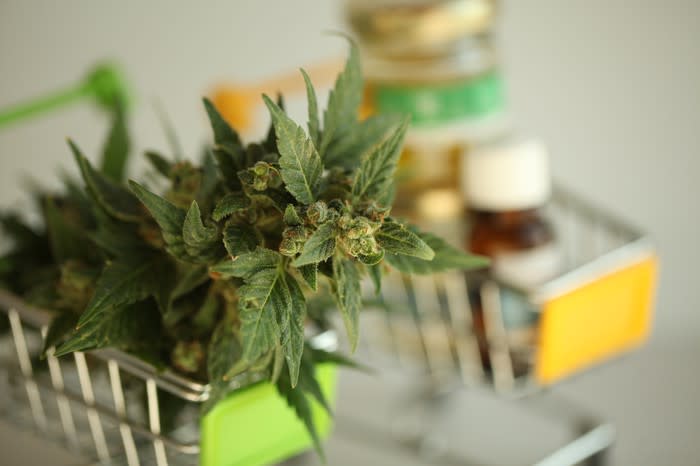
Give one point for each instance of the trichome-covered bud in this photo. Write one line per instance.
(358, 236)
(317, 213)
(261, 176)
(288, 247)
(345, 221)
(188, 356)
(293, 240)
(365, 246)
(375, 212)
(360, 227)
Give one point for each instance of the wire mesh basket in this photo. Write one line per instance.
(105, 405)
(599, 304)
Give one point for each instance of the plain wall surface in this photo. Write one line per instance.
(612, 87)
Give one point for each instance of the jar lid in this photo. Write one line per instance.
(508, 176)
(418, 26)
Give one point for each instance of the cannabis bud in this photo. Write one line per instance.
(318, 213)
(261, 176)
(375, 212)
(186, 180)
(188, 356)
(358, 236)
(293, 239)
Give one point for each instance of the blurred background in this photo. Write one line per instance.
(613, 90)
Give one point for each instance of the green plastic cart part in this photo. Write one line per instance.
(105, 85)
(255, 426)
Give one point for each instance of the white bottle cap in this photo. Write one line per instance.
(508, 176)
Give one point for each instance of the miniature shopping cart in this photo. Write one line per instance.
(109, 406)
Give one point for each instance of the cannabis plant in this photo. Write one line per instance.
(214, 276)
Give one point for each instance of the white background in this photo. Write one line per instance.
(613, 87)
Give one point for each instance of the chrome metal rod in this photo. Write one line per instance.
(154, 422)
(107, 413)
(98, 435)
(499, 354)
(132, 455)
(25, 365)
(64, 412)
(589, 444)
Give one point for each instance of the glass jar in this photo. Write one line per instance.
(433, 60)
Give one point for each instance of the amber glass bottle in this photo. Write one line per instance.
(506, 186)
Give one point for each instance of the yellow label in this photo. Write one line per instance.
(596, 321)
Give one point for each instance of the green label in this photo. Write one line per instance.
(435, 104)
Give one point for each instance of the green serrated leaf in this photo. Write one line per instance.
(240, 239)
(61, 326)
(300, 165)
(134, 328)
(293, 342)
(321, 356)
(67, 240)
(262, 297)
(375, 274)
(202, 242)
(249, 264)
(116, 238)
(180, 302)
(270, 143)
(224, 135)
(395, 238)
(347, 293)
(310, 274)
(375, 177)
(319, 247)
(230, 204)
(228, 150)
(204, 321)
(314, 124)
(191, 277)
(23, 236)
(308, 382)
(272, 198)
(277, 364)
(228, 165)
(343, 101)
(115, 153)
(291, 217)
(114, 199)
(159, 163)
(224, 352)
(348, 150)
(169, 218)
(209, 183)
(298, 401)
(446, 258)
(123, 283)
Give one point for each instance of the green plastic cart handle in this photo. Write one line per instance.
(105, 85)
